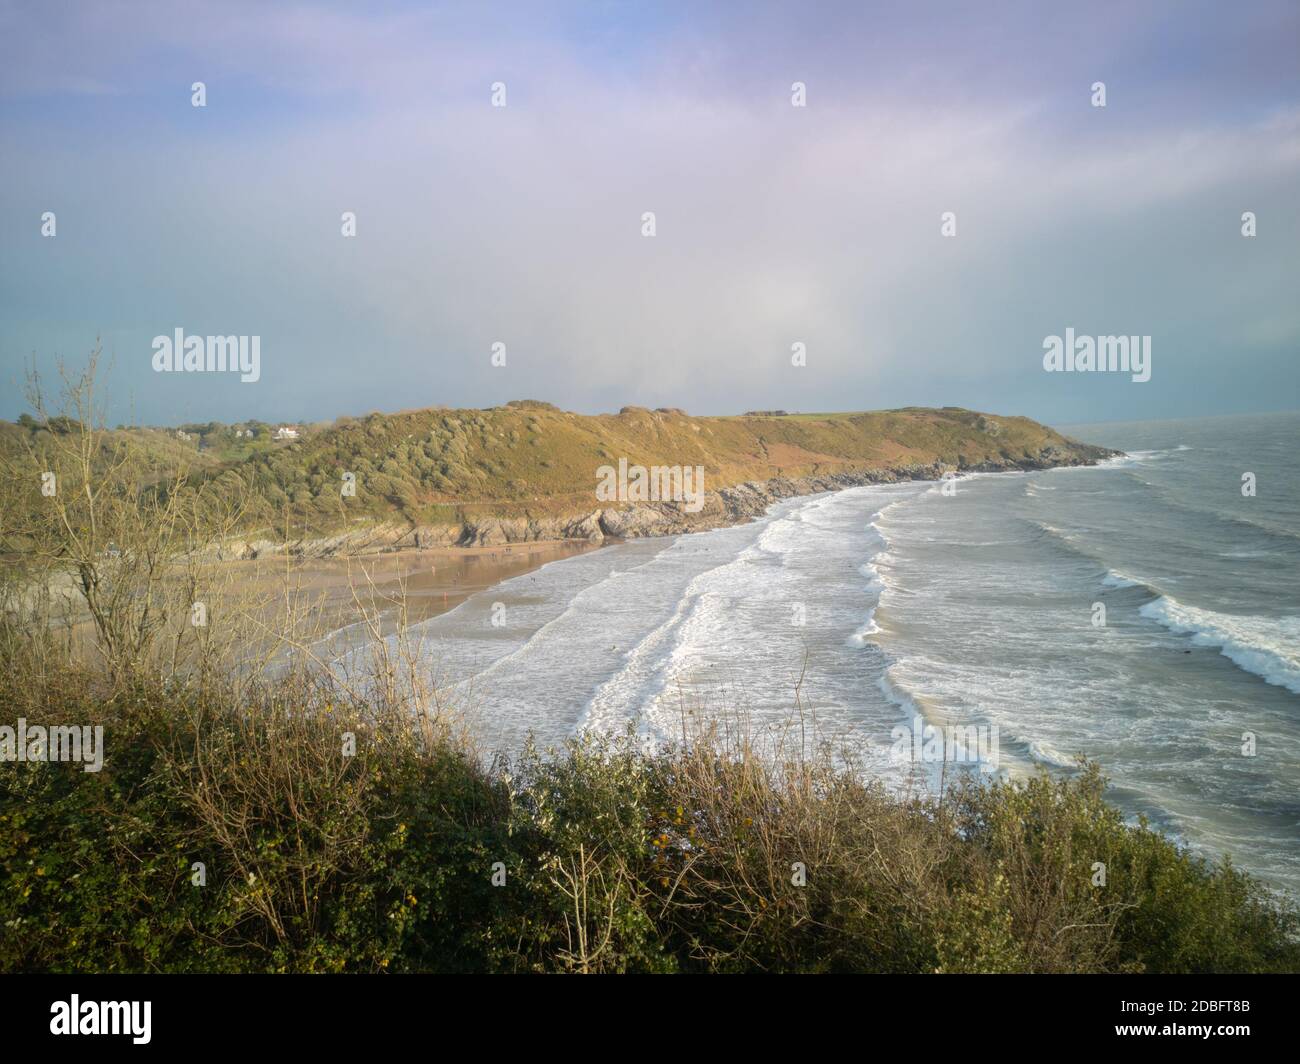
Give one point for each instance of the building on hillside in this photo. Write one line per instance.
(287, 432)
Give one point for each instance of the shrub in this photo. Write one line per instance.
(415, 855)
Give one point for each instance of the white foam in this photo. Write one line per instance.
(650, 667)
(1268, 647)
(895, 694)
(1049, 755)
(870, 628)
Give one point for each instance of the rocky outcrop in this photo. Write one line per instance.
(727, 506)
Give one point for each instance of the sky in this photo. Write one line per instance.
(775, 225)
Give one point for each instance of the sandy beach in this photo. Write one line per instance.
(420, 583)
(327, 595)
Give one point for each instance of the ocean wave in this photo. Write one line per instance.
(870, 628)
(1114, 578)
(985, 751)
(873, 522)
(1264, 646)
(781, 537)
(1166, 496)
(1118, 461)
(1064, 540)
(894, 692)
(884, 564)
(575, 605)
(663, 653)
(1267, 527)
(1047, 754)
(1132, 458)
(874, 581)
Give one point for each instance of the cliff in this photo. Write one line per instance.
(529, 471)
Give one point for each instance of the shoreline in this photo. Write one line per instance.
(417, 583)
(427, 581)
(722, 508)
(424, 571)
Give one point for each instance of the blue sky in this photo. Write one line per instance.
(775, 224)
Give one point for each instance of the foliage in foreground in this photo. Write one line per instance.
(611, 859)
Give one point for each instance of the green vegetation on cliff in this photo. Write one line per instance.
(527, 458)
(533, 457)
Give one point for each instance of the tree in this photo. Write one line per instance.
(96, 511)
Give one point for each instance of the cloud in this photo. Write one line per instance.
(522, 224)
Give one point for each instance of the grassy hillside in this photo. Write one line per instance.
(438, 466)
(164, 450)
(463, 471)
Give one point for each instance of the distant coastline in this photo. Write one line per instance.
(722, 509)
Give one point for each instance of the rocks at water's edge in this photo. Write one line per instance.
(729, 506)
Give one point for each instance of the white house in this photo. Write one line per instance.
(287, 432)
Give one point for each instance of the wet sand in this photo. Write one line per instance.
(317, 599)
(419, 583)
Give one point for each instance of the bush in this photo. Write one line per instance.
(415, 855)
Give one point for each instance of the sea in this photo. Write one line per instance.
(1143, 613)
